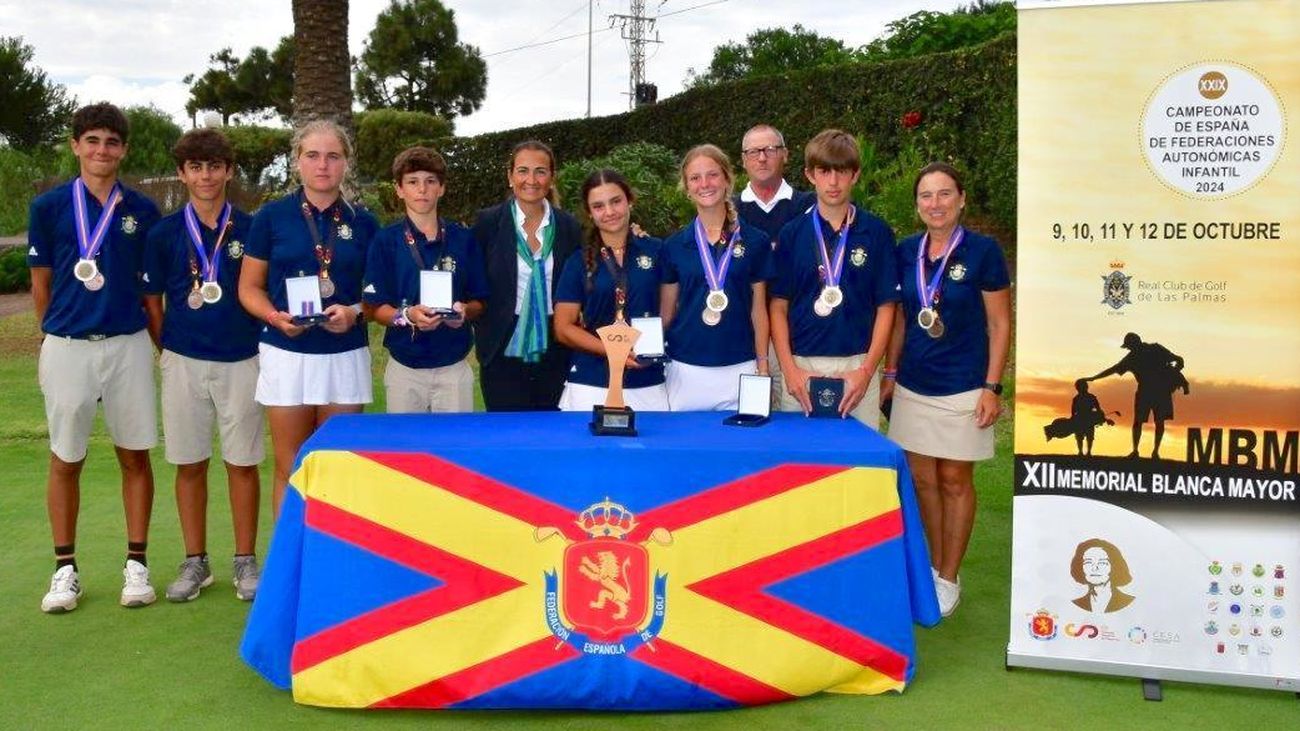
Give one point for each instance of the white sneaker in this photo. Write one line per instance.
(65, 589)
(137, 591)
(949, 593)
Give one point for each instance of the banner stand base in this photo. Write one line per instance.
(1151, 690)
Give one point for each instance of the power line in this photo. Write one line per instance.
(544, 43)
(693, 7)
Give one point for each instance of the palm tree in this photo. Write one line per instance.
(322, 72)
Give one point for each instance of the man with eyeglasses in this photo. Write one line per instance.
(768, 202)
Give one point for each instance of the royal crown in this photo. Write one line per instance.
(1116, 264)
(606, 518)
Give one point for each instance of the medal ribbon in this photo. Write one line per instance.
(414, 248)
(325, 251)
(831, 270)
(89, 244)
(928, 294)
(618, 274)
(715, 271)
(211, 265)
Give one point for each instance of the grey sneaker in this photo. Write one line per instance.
(247, 574)
(195, 575)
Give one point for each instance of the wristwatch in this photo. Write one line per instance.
(996, 388)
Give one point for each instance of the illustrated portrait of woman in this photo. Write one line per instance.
(1100, 566)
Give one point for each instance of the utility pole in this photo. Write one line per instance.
(635, 27)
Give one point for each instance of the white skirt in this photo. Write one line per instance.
(313, 379)
(940, 426)
(705, 388)
(581, 397)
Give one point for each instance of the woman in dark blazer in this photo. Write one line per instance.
(525, 240)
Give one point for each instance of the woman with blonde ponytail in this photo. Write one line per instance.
(714, 296)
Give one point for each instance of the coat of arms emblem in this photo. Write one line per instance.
(604, 599)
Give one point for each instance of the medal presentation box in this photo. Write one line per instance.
(512, 561)
(1157, 423)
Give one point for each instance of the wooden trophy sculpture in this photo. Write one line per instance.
(615, 418)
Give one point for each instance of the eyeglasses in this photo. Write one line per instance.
(754, 153)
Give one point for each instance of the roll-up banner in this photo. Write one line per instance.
(1157, 501)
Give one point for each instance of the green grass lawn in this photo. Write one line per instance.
(177, 666)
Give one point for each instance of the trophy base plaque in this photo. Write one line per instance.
(309, 320)
(613, 421)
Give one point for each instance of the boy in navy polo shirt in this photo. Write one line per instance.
(836, 287)
(428, 368)
(209, 357)
(86, 250)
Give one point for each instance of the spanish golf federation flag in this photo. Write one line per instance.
(415, 566)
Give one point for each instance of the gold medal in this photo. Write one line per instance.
(936, 329)
(85, 270)
(211, 292)
(711, 317)
(326, 286)
(194, 299)
(716, 301)
(821, 308)
(95, 283)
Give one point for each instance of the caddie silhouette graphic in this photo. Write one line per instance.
(1085, 416)
(1159, 373)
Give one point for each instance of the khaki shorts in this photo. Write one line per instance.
(197, 392)
(449, 389)
(77, 374)
(867, 410)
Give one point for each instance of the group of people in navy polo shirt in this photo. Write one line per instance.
(796, 285)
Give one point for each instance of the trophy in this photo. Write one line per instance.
(615, 418)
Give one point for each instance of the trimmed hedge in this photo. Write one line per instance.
(382, 133)
(966, 99)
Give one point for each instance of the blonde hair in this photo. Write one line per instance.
(329, 126)
(715, 153)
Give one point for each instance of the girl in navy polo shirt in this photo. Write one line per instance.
(949, 349)
(614, 271)
(714, 295)
(428, 364)
(308, 374)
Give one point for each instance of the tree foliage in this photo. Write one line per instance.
(262, 81)
(929, 32)
(771, 51)
(660, 208)
(153, 134)
(382, 133)
(414, 61)
(34, 111)
(256, 149)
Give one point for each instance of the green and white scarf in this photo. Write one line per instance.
(529, 340)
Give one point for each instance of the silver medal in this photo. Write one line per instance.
(95, 283)
(194, 299)
(711, 317)
(210, 292)
(326, 288)
(821, 308)
(716, 301)
(832, 295)
(85, 270)
(926, 317)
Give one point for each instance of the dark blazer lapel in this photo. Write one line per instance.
(507, 257)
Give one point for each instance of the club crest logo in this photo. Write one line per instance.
(858, 257)
(1084, 631)
(129, 225)
(345, 232)
(1211, 628)
(826, 398)
(1258, 570)
(645, 262)
(1116, 288)
(1279, 572)
(738, 250)
(1042, 626)
(1216, 568)
(603, 600)
(235, 249)
(957, 272)
(447, 264)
